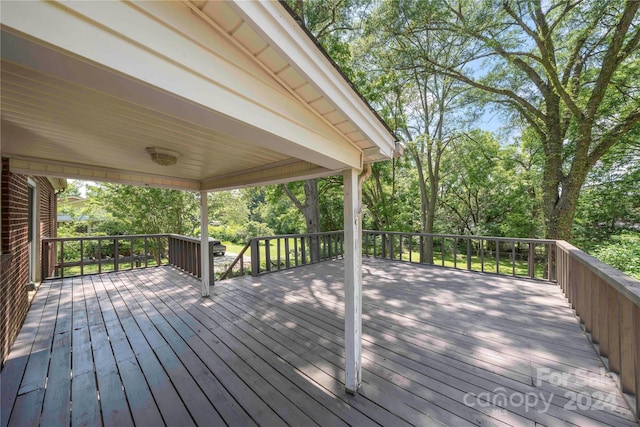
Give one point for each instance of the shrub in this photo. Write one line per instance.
(622, 252)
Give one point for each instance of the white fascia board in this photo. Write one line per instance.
(48, 168)
(158, 48)
(276, 174)
(279, 28)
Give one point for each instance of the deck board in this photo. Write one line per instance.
(141, 347)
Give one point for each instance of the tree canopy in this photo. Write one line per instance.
(561, 79)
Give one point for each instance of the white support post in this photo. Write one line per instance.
(352, 279)
(204, 243)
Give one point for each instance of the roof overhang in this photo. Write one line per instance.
(238, 89)
(58, 184)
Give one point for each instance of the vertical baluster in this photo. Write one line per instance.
(303, 250)
(431, 260)
(212, 266)
(131, 252)
(531, 260)
(255, 257)
(497, 256)
(99, 256)
(267, 253)
(81, 257)
(286, 250)
(636, 347)
(366, 244)
(45, 260)
(455, 252)
(278, 254)
(482, 255)
(550, 266)
(62, 258)
(513, 259)
(196, 261)
(116, 255)
(374, 245)
(146, 250)
(468, 253)
(614, 330)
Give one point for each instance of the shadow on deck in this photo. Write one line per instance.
(440, 346)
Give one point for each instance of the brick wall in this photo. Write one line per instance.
(14, 262)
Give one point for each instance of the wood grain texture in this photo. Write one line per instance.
(440, 347)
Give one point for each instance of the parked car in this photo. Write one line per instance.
(217, 248)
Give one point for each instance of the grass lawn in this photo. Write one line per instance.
(236, 248)
(107, 265)
(506, 267)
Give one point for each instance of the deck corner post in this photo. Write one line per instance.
(353, 279)
(204, 244)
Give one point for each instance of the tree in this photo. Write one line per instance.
(422, 106)
(228, 207)
(145, 210)
(610, 201)
(489, 189)
(568, 68)
(310, 207)
(74, 189)
(327, 20)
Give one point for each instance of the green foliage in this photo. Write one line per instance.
(610, 202)
(74, 188)
(240, 233)
(622, 252)
(429, 67)
(228, 207)
(144, 210)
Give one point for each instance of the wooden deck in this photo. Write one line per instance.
(440, 347)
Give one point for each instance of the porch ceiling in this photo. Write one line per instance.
(238, 89)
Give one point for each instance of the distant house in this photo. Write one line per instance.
(29, 207)
(72, 210)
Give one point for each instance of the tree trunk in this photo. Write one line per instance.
(312, 216)
(560, 218)
(311, 211)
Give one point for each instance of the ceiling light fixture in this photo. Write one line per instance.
(163, 156)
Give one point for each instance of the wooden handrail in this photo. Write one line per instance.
(239, 258)
(55, 251)
(608, 304)
(308, 248)
(183, 252)
(292, 250)
(420, 248)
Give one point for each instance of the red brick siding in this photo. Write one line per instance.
(14, 276)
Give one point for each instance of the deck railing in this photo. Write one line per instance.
(533, 258)
(606, 301)
(80, 256)
(275, 253)
(608, 304)
(184, 253)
